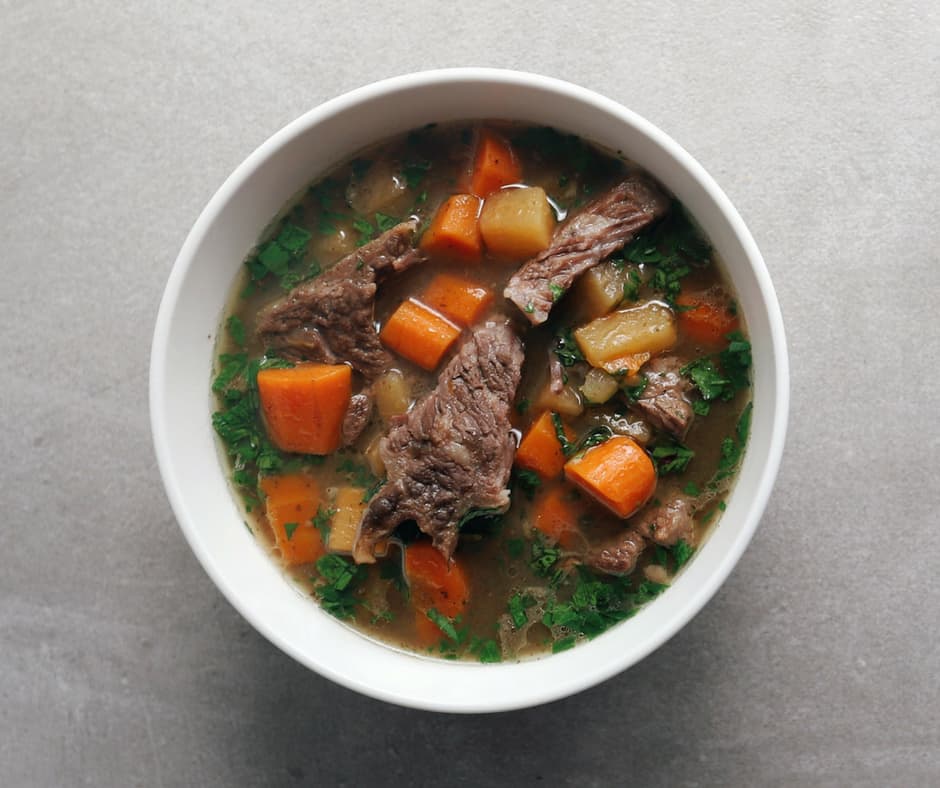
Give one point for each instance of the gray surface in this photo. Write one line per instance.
(816, 664)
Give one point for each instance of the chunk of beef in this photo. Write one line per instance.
(667, 523)
(617, 556)
(453, 451)
(357, 417)
(598, 230)
(663, 402)
(329, 319)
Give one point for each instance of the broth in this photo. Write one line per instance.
(528, 593)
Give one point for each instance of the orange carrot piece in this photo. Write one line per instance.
(291, 502)
(419, 334)
(304, 406)
(617, 473)
(494, 166)
(455, 229)
(629, 364)
(434, 584)
(539, 450)
(709, 319)
(461, 300)
(556, 516)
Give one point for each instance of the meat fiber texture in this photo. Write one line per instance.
(598, 230)
(452, 453)
(663, 401)
(330, 318)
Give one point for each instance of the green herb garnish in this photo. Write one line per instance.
(672, 457)
(338, 580)
(518, 603)
(567, 350)
(443, 623)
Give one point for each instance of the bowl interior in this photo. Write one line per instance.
(182, 361)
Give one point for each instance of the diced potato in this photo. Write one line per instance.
(598, 386)
(650, 328)
(392, 394)
(599, 290)
(567, 403)
(327, 249)
(382, 187)
(517, 224)
(374, 457)
(349, 508)
(656, 574)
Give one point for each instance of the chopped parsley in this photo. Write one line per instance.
(443, 623)
(682, 552)
(281, 258)
(567, 350)
(237, 422)
(528, 481)
(633, 393)
(289, 529)
(722, 380)
(708, 380)
(544, 558)
(557, 291)
(321, 521)
(366, 231)
(566, 445)
(518, 603)
(236, 330)
(415, 171)
(385, 222)
(487, 651)
(732, 447)
(338, 579)
(672, 457)
(692, 489)
(593, 437)
(670, 247)
(701, 408)
(631, 288)
(522, 405)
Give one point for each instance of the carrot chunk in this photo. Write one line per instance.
(540, 450)
(494, 166)
(617, 473)
(627, 365)
(304, 406)
(556, 516)
(419, 334)
(461, 300)
(291, 503)
(455, 229)
(706, 318)
(434, 584)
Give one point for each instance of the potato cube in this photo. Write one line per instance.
(599, 290)
(517, 224)
(649, 328)
(349, 508)
(566, 403)
(392, 394)
(598, 386)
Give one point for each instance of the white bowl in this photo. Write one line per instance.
(182, 356)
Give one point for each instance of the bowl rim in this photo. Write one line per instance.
(477, 702)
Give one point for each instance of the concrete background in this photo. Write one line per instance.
(816, 664)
